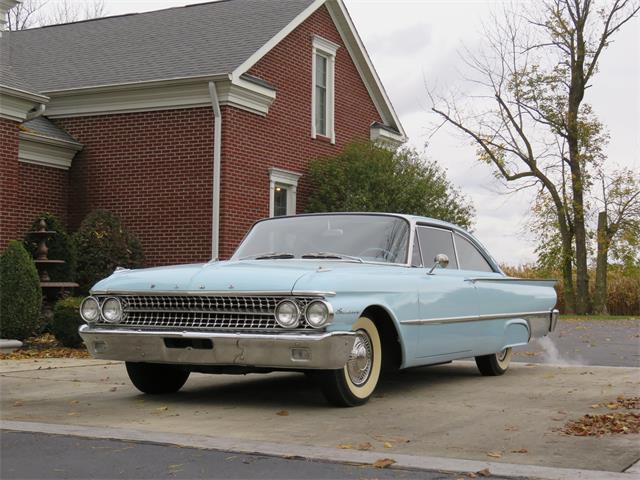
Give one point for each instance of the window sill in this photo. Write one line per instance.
(324, 139)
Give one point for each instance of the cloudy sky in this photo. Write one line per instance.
(416, 41)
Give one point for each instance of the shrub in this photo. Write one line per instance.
(20, 294)
(60, 248)
(66, 321)
(623, 292)
(102, 244)
(368, 177)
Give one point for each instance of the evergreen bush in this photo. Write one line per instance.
(66, 321)
(102, 244)
(20, 293)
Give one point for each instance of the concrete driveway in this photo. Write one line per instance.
(443, 411)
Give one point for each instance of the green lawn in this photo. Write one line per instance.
(598, 317)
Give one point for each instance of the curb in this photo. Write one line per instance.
(413, 462)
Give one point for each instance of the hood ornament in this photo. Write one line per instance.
(231, 287)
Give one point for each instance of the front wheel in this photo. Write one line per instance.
(354, 384)
(157, 378)
(494, 364)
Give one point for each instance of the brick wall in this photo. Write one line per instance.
(251, 144)
(42, 189)
(152, 169)
(9, 181)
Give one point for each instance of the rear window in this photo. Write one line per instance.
(469, 256)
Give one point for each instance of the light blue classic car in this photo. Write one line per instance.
(338, 296)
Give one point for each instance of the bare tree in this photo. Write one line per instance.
(25, 14)
(39, 13)
(619, 219)
(533, 126)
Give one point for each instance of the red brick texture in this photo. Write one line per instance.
(9, 181)
(251, 144)
(152, 169)
(26, 190)
(42, 189)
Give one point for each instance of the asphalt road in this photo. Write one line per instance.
(614, 343)
(66, 457)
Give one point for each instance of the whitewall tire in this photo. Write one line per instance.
(355, 383)
(496, 363)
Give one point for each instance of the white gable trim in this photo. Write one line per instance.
(363, 63)
(355, 47)
(163, 95)
(16, 104)
(277, 38)
(45, 151)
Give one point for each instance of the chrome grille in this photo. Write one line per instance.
(202, 312)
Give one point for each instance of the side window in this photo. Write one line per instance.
(434, 241)
(470, 257)
(416, 258)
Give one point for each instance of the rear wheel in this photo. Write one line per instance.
(157, 378)
(494, 364)
(354, 384)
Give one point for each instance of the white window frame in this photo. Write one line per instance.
(327, 49)
(287, 179)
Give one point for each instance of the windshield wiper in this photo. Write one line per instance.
(331, 255)
(269, 256)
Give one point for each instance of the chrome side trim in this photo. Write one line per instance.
(221, 293)
(473, 318)
(509, 279)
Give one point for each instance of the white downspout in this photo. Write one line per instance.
(217, 140)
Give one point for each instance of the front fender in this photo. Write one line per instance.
(348, 308)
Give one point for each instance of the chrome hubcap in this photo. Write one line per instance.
(502, 355)
(360, 359)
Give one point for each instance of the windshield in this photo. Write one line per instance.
(373, 238)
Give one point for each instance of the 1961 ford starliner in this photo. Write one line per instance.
(338, 296)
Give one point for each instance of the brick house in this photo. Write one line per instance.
(188, 123)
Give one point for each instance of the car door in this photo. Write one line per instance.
(448, 302)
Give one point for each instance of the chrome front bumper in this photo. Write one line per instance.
(279, 350)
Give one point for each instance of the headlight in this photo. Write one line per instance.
(112, 310)
(90, 309)
(319, 313)
(287, 314)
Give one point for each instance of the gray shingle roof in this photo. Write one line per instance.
(45, 127)
(9, 78)
(192, 41)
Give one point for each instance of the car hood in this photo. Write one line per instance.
(230, 276)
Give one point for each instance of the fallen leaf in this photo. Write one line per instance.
(511, 428)
(113, 389)
(345, 446)
(388, 445)
(602, 424)
(72, 414)
(484, 472)
(282, 413)
(522, 450)
(494, 454)
(74, 402)
(365, 446)
(18, 403)
(162, 409)
(383, 463)
(595, 405)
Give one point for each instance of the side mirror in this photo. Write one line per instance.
(441, 260)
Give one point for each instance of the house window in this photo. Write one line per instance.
(323, 95)
(283, 186)
(280, 201)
